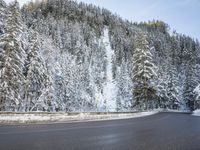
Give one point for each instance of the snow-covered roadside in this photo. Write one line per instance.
(15, 118)
(196, 112)
(173, 110)
(64, 117)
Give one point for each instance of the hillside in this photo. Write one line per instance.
(60, 55)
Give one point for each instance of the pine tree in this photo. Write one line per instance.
(143, 71)
(13, 56)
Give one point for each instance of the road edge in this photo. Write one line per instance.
(23, 118)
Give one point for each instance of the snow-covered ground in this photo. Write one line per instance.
(173, 110)
(10, 118)
(196, 112)
(110, 87)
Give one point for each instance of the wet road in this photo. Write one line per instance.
(164, 131)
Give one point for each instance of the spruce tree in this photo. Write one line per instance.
(143, 71)
(13, 55)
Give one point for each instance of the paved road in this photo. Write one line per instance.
(164, 131)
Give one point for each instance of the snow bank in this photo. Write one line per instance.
(10, 118)
(196, 112)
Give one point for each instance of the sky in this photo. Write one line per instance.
(181, 15)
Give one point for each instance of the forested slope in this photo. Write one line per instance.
(60, 55)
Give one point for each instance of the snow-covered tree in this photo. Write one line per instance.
(36, 76)
(2, 16)
(13, 55)
(162, 82)
(124, 84)
(189, 85)
(197, 97)
(143, 72)
(172, 90)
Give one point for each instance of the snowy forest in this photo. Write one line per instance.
(61, 55)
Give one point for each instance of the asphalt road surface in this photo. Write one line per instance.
(163, 131)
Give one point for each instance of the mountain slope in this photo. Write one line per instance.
(79, 57)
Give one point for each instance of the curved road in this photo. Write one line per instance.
(163, 131)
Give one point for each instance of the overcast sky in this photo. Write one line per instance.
(182, 15)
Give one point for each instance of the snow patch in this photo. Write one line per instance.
(110, 90)
(196, 112)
